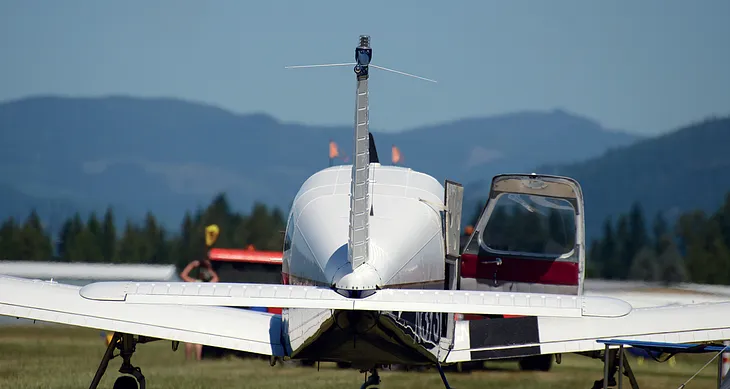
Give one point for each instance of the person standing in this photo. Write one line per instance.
(205, 274)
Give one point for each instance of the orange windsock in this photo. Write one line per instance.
(334, 153)
(395, 155)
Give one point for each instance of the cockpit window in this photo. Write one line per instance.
(531, 224)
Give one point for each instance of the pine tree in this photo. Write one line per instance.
(153, 242)
(660, 233)
(9, 239)
(621, 260)
(34, 243)
(644, 266)
(108, 240)
(671, 263)
(722, 217)
(93, 225)
(637, 237)
(129, 245)
(608, 250)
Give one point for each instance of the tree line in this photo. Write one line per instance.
(694, 248)
(96, 239)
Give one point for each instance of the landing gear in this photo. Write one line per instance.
(443, 376)
(537, 363)
(613, 360)
(373, 381)
(126, 344)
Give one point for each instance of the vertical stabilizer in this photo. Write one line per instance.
(359, 240)
(363, 155)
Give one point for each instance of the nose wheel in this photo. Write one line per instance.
(125, 382)
(126, 344)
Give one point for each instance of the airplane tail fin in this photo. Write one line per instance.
(359, 234)
(363, 155)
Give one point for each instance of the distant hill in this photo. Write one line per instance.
(686, 169)
(167, 155)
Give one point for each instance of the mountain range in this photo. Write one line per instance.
(62, 154)
(686, 169)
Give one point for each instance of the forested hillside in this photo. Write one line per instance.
(695, 248)
(96, 239)
(631, 246)
(673, 173)
(677, 172)
(167, 155)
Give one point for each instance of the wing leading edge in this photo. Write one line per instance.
(60, 303)
(404, 300)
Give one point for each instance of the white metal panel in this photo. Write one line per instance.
(400, 254)
(452, 229)
(214, 326)
(673, 324)
(641, 299)
(641, 321)
(407, 300)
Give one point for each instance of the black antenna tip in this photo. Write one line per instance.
(373, 150)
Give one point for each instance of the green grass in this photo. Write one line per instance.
(62, 357)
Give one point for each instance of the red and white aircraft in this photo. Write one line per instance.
(374, 276)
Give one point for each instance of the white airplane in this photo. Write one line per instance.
(374, 276)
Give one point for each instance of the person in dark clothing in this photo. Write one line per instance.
(205, 274)
(205, 271)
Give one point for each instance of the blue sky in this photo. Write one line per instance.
(642, 66)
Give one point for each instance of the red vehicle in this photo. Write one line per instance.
(245, 266)
(248, 266)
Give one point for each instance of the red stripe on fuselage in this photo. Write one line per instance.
(513, 269)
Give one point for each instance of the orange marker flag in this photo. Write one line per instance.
(395, 153)
(334, 152)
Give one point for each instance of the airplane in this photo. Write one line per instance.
(374, 276)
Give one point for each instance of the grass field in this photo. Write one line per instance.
(60, 357)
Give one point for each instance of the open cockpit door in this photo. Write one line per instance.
(529, 237)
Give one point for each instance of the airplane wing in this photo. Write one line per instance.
(201, 313)
(404, 300)
(532, 335)
(60, 303)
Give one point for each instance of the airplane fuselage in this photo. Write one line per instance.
(406, 241)
(406, 250)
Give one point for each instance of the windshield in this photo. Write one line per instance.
(531, 224)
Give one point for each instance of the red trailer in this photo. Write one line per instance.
(248, 266)
(245, 266)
